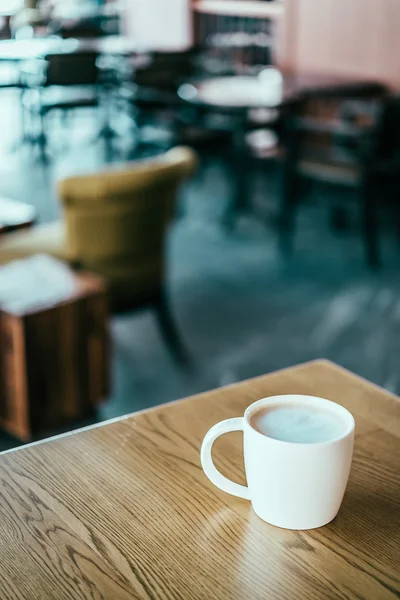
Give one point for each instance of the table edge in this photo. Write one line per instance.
(319, 361)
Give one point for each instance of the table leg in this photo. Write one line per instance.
(239, 202)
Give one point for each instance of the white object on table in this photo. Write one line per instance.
(34, 283)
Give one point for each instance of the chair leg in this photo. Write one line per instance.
(42, 139)
(169, 331)
(397, 217)
(396, 208)
(339, 220)
(370, 225)
(23, 109)
(287, 212)
(240, 168)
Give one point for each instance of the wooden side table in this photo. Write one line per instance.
(53, 360)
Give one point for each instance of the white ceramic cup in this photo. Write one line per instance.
(290, 485)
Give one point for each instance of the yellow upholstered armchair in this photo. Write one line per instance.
(115, 225)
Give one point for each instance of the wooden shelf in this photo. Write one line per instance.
(240, 8)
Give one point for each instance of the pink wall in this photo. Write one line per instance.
(358, 38)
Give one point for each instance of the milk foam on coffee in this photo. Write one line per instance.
(298, 424)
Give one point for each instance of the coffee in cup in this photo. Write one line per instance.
(298, 424)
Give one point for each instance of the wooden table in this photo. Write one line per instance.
(124, 510)
(240, 96)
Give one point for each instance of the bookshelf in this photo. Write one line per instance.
(253, 17)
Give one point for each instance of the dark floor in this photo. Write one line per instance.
(242, 309)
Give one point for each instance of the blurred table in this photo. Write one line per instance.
(123, 511)
(246, 92)
(20, 50)
(239, 92)
(243, 96)
(15, 215)
(236, 96)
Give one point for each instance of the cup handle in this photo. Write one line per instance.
(222, 482)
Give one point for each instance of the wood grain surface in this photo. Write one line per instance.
(124, 510)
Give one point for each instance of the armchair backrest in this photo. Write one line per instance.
(117, 219)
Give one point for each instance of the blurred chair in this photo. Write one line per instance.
(115, 226)
(332, 137)
(64, 82)
(84, 28)
(153, 97)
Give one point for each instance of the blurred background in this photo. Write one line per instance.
(192, 192)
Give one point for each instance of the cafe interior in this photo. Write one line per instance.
(192, 193)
